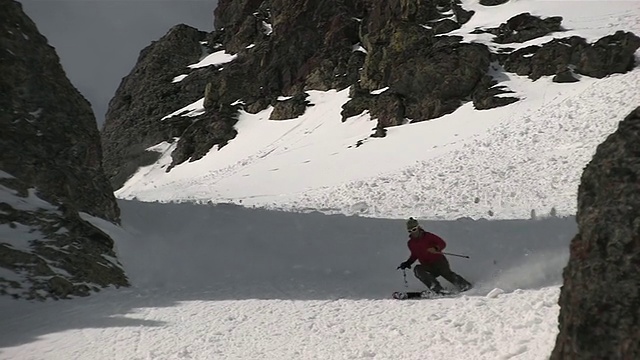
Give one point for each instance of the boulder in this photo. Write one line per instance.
(493, 2)
(610, 54)
(599, 313)
(556, 55)
(290, 108)
(524, 27)
(485, 95)
(565, 76)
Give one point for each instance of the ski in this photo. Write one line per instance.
(404, 295)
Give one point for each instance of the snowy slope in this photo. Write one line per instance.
(226, 282)
(501, 163)
(132, 326)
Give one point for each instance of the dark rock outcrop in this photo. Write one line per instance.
(50, 170)
(53, 252)
(290, 108)
(565, 76)
(427, 76)
(600, 299)
(49, 131)
(485, 96)
(133, 120)
(524, 27)
(611, 54)
(462, 16)
(444, 26)
(212, 128)
(431, 76)
(243, 21)
(493, 2)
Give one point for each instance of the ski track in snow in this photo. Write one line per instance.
(466, 327)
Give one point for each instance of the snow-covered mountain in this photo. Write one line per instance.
(507, 162)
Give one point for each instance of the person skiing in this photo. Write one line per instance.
(427, 248)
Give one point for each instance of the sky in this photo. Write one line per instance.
(98, 41)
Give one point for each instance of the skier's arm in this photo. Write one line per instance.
(407, 264)
(437, 245)
(440, 244)
(412, 258)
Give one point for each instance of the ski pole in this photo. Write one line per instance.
(404, 274)
(462, 256)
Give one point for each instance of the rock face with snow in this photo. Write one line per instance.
(397, 57)
(599, 312)
(611, 54)
(146, 95)
(50, 170)
(524, 27)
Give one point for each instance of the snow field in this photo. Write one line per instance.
(227, 282)
(518, 325)
(531, 160)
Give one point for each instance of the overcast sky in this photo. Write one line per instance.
(99, 41)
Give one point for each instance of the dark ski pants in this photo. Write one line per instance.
(428, 275)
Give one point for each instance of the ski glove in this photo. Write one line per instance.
(404, 265)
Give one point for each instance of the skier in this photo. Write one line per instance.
(427, 248)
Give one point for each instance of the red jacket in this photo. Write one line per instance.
(419, 245)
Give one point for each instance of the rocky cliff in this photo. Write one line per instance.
(146, 95)
(50, 171)
(397, 57)
(600, 299)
